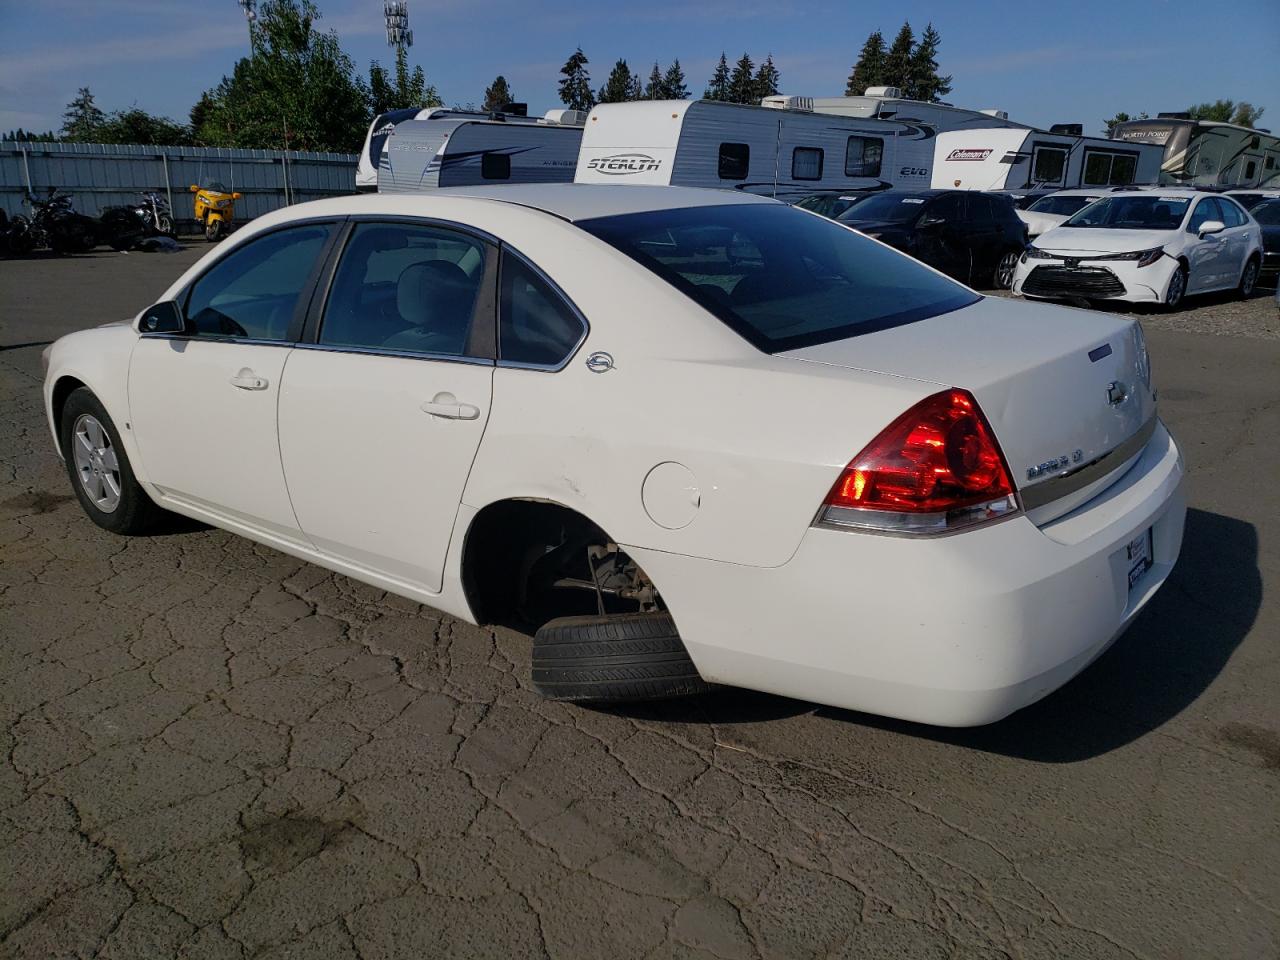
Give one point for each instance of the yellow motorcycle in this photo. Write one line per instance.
(215, 209)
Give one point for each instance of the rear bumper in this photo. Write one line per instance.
(955, 631)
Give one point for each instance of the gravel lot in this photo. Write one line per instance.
(216, 751)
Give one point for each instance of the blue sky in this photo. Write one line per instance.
(1080, 61)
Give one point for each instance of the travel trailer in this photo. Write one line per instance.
(1024, 159)
(888, 103)
(780, 149)
(452, 148)
(1204, 153)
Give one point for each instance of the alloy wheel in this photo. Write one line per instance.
(1249, 279)
(1004, 272)
(1177, 286)
(96, 462)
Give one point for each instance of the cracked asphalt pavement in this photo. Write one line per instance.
(212, 750)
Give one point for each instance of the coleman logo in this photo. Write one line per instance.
(968, 154)
(623, 164)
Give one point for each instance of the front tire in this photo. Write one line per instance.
(99, 468)
(623, 657)
(213, 231)
(1176, 290)
(1248, 279)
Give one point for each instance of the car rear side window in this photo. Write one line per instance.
(806, 163)
(781, 278)
(536, 326)
(734, 161)
(405, 287)
(252, 292)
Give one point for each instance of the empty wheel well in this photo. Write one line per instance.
(525, 562)
(61, 390)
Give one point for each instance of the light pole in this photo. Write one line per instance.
(250, 14)
(399, 38)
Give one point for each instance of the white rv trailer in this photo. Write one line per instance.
(376, 137)
(888, 103)
(781, 149)
(451, 148)
(1025, 159)
(1205, 153)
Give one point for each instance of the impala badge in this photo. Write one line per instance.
(599, 362)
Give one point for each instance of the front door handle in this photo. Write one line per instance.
(246, 379)
(447, 407)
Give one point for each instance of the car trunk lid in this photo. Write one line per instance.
(1062, 388)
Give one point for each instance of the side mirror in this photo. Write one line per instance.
(162, 317)
(194, 189)
(236, 196)
(1211, 227)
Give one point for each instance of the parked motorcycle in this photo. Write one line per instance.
(156, 212)
(215, 209)
(125, 227)
(56, 225)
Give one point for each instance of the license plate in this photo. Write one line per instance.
(1138, 553)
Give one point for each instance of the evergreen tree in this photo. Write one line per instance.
(636, 88)
(619, 88)
(898, 64)
(1246, 114)
(497, 94)
(656, 88)
(742, 85)
(673, 87)
(575, 88)
(767, 79)
(718, 89)
(869, 70)
(926, 84)
(82, 119)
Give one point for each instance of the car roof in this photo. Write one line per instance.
(568, 201)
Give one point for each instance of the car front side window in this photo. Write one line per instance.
(405, 287)
(252, 293)
(1206, 210)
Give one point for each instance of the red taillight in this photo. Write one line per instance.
(934, 468)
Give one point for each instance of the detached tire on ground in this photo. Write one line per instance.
(633, 656)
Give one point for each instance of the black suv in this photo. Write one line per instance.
(974, 237)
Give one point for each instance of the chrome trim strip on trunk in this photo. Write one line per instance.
(1067, 483)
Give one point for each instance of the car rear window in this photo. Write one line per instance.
(781, 278)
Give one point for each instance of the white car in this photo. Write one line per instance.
(1145, 246)
(1055, 208)
(687, 436)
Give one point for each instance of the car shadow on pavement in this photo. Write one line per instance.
(1175, 649)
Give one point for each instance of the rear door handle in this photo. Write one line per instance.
(246, 379)
(447, 407)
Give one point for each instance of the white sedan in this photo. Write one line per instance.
(1056, 208)
(1145, 246)
(686, 437)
